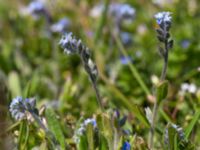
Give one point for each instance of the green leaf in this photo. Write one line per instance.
(106, 128)
(82, 145)
(90, 136)
(23, 135)
(172, 137)
(55, 127)
(161, 91)
(189, 128)
(14, 84)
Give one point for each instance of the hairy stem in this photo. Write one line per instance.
(155, 108)
(94, 85)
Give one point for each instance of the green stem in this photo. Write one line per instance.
(101, 22)
(94, 85)
(155, 109)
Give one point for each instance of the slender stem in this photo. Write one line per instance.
(94, 85)
(164, 70)
(93, 81)
(155, 109)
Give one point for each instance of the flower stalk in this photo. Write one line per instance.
(164, 24)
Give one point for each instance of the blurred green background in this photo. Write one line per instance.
(31, 58)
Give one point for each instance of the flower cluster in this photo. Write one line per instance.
(163, 18)
(19, 107)
(82, 129)
(164, 22)
(73, 46)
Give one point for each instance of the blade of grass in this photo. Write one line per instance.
(55, 127)
(189, 128)
(133, 69)
(102, 22)
(127, 103)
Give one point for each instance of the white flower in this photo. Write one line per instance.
(163, 17)
(191, 88)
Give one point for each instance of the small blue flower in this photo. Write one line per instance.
(61, 26)
(81, 130)
(90, 121)
(36, 7)
(163, 17)
(126, 38)
(185, 43)
(122, 11)
(126, 146)
(19, 107)
(125, 60)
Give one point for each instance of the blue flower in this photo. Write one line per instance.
(185, 43)
(125, 60)
(163, 17)
(126, 38)
(19, 107)
(122, 11)
(126, 146)
(81, 130)
(61, 26)
(70, 44)
(36, 7)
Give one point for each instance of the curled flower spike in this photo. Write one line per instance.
(19, 107)
(71, 45)
(164, 21)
